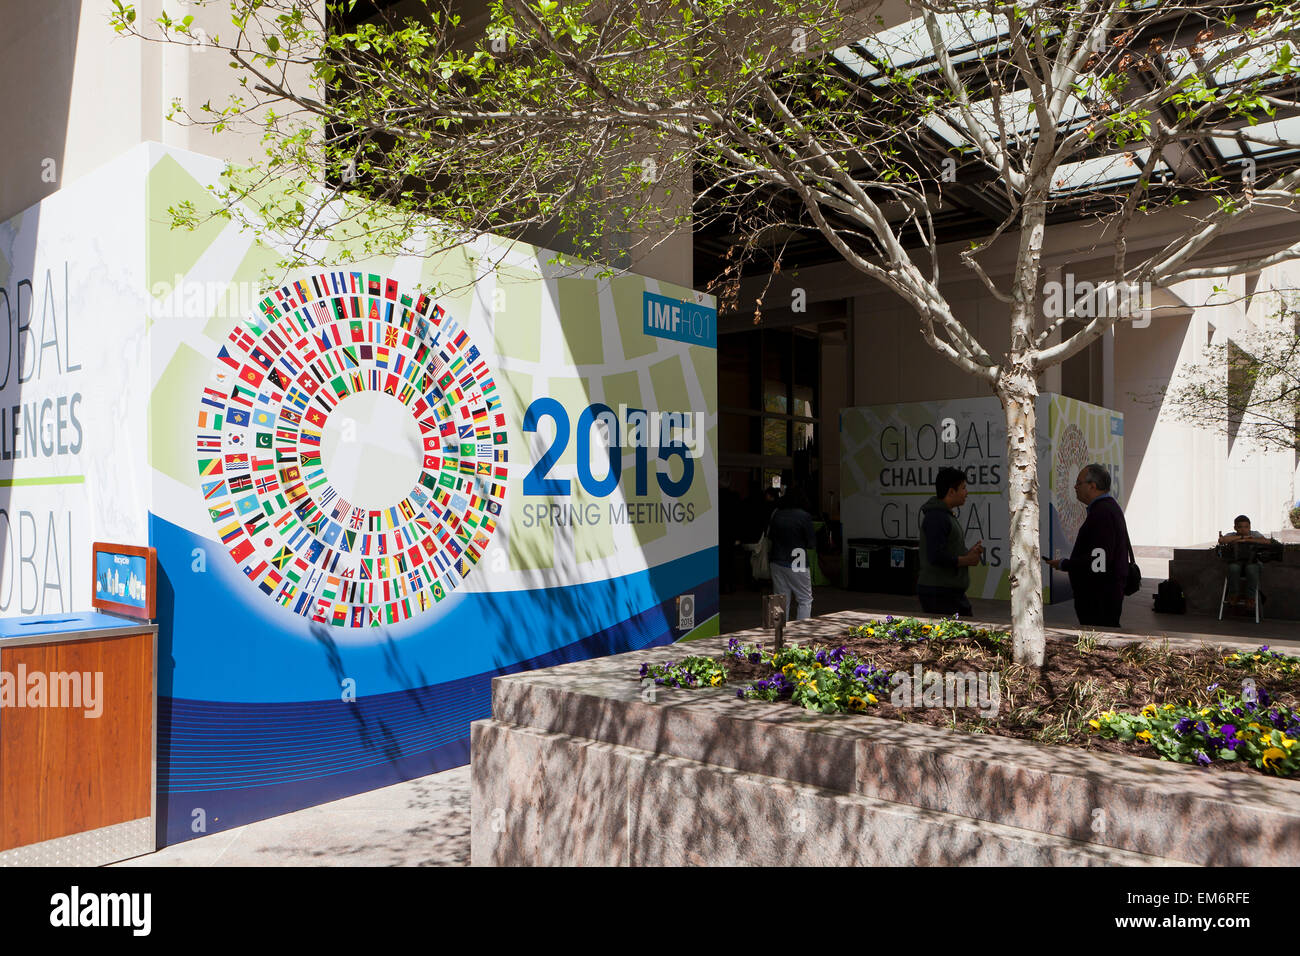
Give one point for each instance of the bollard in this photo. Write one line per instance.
(774, 616)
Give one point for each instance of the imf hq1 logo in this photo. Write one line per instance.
(351, 449)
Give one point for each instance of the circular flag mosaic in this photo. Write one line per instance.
(351, 450)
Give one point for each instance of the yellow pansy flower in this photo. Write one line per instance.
(1169, 706)
(812, 687)
(1272, 754)
(1143, 735)
(717, 679)
(1095, 724)
(1149, 710)
(872, 698)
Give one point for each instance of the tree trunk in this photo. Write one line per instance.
(1018, 390)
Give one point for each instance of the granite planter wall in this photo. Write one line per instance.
(580, 765)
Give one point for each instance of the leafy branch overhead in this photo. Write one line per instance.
(777, 118)
(611, 126)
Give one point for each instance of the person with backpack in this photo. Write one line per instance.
(793, 545)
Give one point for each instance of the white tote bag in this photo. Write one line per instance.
(758, 561)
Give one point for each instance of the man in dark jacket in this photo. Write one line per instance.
(945, 562)
(1098, 565)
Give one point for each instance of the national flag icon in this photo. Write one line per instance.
(239, 336)
(209, 466)
(261, 358)
(315, 417)
(237, 417)
(484, 468)
(278, 379)
(242, 396)
(262, 418)
(224, 356)
(236, 439)
(263, 440)
(251, 375)
(236, 462)
(248, 505)
(222, 513)
(240, 483)
(499, 438)
(208, 443)
(242, 550)
(210, 420)
(214, 489)
(267, 484)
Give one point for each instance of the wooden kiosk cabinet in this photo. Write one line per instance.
(78, 716)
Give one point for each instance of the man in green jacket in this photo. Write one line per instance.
(945, 561)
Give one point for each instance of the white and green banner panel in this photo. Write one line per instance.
(375, 486)
(890, 455)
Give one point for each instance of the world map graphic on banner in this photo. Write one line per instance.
(1071, 455)
(295, 438)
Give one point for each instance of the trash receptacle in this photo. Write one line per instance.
(883, 565)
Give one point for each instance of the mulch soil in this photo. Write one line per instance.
(1053, 705)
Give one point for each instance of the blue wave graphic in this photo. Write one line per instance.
(254, 751)
(227, 641)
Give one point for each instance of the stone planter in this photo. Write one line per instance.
(578, 765)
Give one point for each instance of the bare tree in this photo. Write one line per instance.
(794, 117)
(1246, 386)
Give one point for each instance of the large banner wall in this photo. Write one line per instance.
(74, 387)
(374, 487)
(890, 455)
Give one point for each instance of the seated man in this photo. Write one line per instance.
(1240, 559)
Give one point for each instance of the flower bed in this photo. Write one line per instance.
(1141, 699)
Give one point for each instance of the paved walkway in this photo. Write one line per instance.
(422, 822)
(425, 822)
